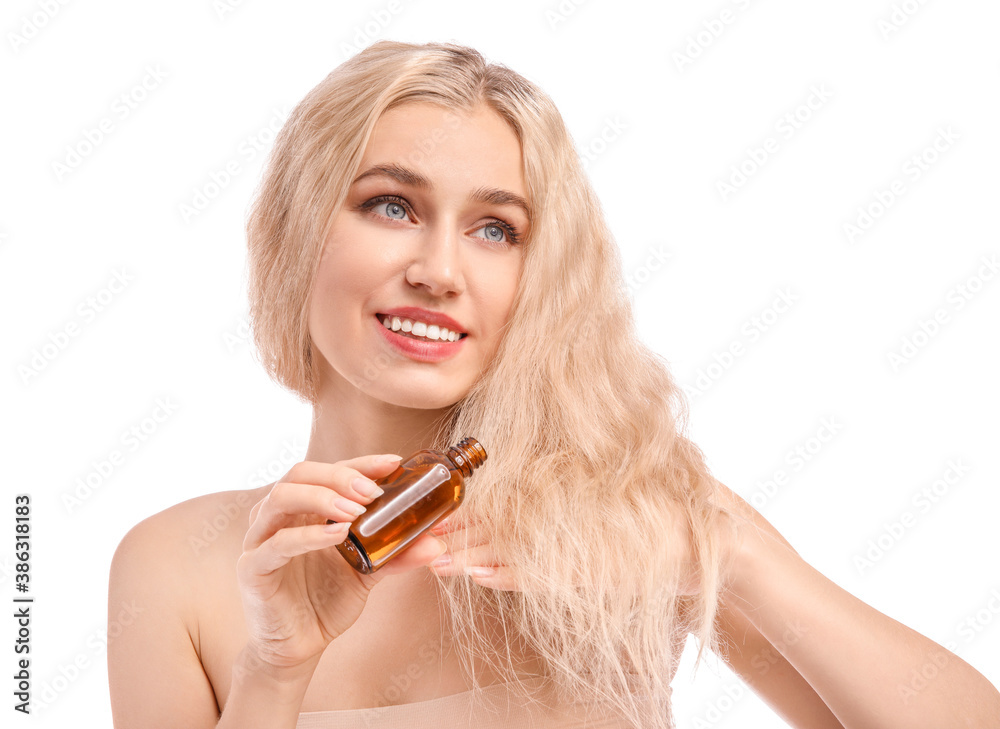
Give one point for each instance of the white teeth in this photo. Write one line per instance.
(420, 329)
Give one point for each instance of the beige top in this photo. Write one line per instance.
(496, 709)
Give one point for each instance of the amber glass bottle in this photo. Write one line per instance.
(422, 491)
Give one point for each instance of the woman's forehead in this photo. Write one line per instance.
(422, 145)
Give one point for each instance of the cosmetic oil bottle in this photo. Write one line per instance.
(422, 491)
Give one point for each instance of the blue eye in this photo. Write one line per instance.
(494, 232)
(396, 209)
(392, 210)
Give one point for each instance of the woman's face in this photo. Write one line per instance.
(429, 223)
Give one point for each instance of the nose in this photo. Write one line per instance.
(436, 264)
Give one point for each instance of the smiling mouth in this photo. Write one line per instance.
(410, 335)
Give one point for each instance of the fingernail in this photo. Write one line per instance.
(366, 487)
(348, 506)
(337, 526)
(443, 561)
(388, 457)
(480, 571)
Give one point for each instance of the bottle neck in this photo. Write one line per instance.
(467, 455)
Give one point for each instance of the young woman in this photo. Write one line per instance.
(420, 193)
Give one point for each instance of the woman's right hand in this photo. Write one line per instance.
(298, 592)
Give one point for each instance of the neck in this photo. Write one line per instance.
(349, 423)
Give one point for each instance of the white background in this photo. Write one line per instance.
(659, 136)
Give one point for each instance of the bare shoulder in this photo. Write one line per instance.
(188, 529)
(163, 569)
(750, 520)
(166, 566)
(166, 554)
(728, 499)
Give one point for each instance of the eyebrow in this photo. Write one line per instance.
(488, 195)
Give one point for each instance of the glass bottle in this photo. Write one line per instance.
(422, 491)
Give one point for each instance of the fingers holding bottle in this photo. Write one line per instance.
(338, 491)
(298, 593)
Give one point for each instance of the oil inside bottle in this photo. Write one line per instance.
(422, 491)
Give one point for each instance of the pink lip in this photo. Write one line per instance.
(417, 349)
(415, 313)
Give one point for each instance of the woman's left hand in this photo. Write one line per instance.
(477, 558)
(474, 557)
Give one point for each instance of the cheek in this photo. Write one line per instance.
(502, 287)
(333, 290)
(509, 286)
(345, 271)
(325, 287)
(323, 308)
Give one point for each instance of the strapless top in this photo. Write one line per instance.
(497, 707)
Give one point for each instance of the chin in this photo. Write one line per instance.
(424, 391)
(418, 401)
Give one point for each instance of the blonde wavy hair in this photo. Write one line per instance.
(589, 475)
